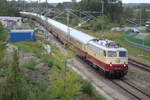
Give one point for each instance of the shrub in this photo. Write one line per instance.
(87, 88)
(3, 33)
(3, 68)
(75, 21)
(2, 49)
(49, 62)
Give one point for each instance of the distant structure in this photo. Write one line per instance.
(22, 35)
(10, 22)
(74, 1)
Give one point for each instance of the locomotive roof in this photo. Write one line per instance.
(106, 44)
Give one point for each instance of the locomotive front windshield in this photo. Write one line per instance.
(117, 54)
(122, 54)
(112, 54)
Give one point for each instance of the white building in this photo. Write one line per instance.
(10, 22)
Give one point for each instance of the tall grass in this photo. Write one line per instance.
(87, 88)
(30, 65)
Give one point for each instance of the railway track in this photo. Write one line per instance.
(128, 87)
(131, 89)
(139, 65)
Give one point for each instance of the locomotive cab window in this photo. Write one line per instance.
(112, 54)
(122, 54)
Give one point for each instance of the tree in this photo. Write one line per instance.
(3, 33)
(14, 88)
(128, 12)
(122, 22)
(7, 9)
(101, 23)
(65, 84)
(75, 21)
(110, 9)
(60, 6)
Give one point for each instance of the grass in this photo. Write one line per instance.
(145, 31)
(34, 47)
(2, 49)
(87, 88)
(3, 68)
(30, 65)
(147, 38)
(141, 77)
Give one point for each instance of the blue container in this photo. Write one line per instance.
(22, 35)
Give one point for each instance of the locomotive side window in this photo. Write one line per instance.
(105, 53)
(112, 54)
(122, 54)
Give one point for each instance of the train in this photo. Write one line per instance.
(105, 55)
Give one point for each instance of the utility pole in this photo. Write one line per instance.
(46, 34)
(68, 29)
(102, 15)
(140, 26)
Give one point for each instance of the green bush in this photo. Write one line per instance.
(40, 91)
(2, 49)
(3, 33)
(30, 65)
(87, 88)
(3, 68)
(49, 62)
(74, 21)
(101, 23)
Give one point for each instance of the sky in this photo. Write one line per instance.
(124, 1)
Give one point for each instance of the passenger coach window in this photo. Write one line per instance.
(112, 54)
(122, 54)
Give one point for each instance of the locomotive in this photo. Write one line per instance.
(103, 54)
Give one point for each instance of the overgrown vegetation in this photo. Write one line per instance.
(3, 34)
(87, 88)
(14, 87)
(109, 9)
(3, 39)
(8, 8)
(30, 65)
(65, 84)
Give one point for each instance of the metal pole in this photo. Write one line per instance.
(46, 34)
(68, 29)
(102, 15)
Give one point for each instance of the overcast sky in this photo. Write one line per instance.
(124, 1)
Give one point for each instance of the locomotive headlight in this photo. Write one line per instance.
(124, 64)
(110, 64)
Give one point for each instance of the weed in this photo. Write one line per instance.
(87, 88)
(30, 65)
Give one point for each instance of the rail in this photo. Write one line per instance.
(139, 65)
